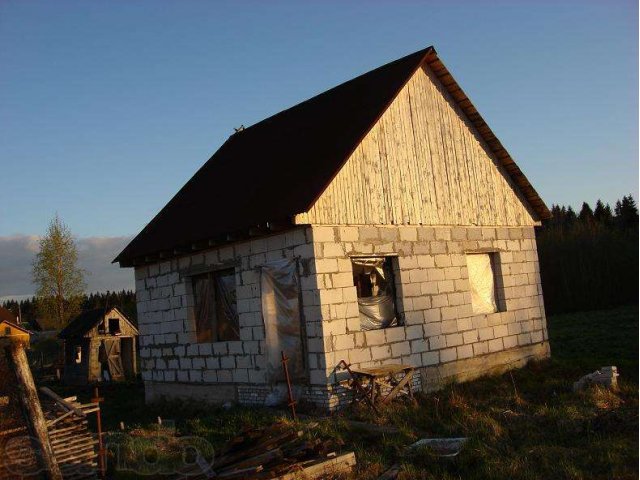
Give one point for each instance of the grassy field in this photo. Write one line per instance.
(527, 424)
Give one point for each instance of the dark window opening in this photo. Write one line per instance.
(374, 281)
(215, 309)
(7, 330)
(102, 329)
(114, 326)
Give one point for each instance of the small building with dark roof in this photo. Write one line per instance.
(11, 332)
(379, 222)
(99, 345)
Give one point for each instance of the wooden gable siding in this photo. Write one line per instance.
(11, 331)
(422, 163)
(126, 329)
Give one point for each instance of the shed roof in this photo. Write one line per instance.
(84, 322)
(286, 161)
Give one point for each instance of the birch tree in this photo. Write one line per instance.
(59, 280)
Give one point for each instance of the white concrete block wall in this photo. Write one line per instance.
(433, 299)
(169, 350)
(433, 296)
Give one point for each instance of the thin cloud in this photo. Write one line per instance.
(94, 256)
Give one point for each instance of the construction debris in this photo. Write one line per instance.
(46, 433)
(278, 452)
(74, 445)
(442, 447)
(606, 376)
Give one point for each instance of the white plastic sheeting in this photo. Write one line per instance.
(378, 309)
(482, 281)
(281, 313)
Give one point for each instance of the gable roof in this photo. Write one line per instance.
(279, 167)
(87, 320)
(13, 325)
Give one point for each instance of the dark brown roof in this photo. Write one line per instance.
(280, 166)
(6, 314)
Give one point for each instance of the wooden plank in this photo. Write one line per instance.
(340, 464)
(62, 402)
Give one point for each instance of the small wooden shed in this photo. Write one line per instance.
(99, 345)
(10, 331)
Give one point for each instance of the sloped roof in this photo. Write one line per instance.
(6, 314)
(279, 167)
(86, 321)
(14, 325)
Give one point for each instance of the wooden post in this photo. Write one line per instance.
(33, 411)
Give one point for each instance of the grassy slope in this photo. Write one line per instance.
(523, 425)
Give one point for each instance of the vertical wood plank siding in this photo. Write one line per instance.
(422, 163)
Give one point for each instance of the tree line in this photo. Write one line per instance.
(124, 300)
(589, 259)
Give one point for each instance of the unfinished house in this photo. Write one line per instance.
(99, 345)
(379, 222)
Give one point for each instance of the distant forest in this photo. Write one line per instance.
(125, 300)
(589, 260)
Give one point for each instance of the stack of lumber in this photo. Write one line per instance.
(278, 452)
(73, 444)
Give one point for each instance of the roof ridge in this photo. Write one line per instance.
(425, 52)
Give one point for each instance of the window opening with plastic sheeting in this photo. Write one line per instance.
(279, 283)
(374, 281)
(216, 311)
(482, 282)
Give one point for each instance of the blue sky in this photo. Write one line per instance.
(107, 108)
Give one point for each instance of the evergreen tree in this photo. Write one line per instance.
(627, 212)
(586, 216)
(570, 217)
(602, 214)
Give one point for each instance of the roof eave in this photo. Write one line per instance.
(460, 97)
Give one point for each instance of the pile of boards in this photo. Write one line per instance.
(73, 444)
(279, 452)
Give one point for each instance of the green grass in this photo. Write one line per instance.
(527, 424)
